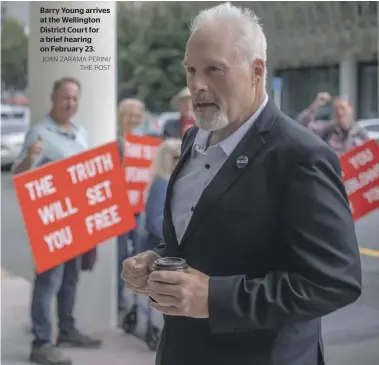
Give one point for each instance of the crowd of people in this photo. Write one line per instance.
(57, 137)
(66, 139)
(223, 95)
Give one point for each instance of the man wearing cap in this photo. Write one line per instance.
(176, 128)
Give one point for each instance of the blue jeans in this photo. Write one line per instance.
(61, 281)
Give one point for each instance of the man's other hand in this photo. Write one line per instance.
(136, 270)
(35, 149)
(322, 99)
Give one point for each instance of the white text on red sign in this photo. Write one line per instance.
(61, 209)
(139, 151)
(361, 159)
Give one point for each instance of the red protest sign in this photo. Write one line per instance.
(360, 171)
(72, 205)
(139, 154)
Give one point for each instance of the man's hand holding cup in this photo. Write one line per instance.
(178, 290)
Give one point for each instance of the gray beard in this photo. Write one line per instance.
(215, 123)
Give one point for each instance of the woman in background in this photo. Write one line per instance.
(164, 164)
(130, 114)
(150, 232)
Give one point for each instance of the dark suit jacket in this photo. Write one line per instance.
(154, 212)
(277, 240)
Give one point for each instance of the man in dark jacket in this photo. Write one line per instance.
(258, 209)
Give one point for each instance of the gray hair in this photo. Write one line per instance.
(251, 43)
(64, 80)
(126, 104)
(164, 159)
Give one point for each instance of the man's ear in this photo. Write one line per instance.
(258, 71)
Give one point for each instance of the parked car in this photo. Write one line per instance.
(14, 113)
(153, 125)
(372, 127)
(12, 138)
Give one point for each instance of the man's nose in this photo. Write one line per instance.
(71, 105)
(197, 84)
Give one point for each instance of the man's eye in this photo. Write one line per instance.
(213, 69)
(190, 70)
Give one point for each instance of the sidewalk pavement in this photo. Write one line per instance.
(118, 348)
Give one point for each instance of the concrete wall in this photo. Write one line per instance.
(96, 308)
(349, 78)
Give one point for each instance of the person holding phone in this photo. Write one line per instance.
(341, 133)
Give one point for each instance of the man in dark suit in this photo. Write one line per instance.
(258, 209)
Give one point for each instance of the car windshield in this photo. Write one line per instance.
(373, 128)
(12, 115)
(11, 128)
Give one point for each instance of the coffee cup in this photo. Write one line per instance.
(169, 264)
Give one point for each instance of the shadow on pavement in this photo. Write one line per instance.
(117, 349)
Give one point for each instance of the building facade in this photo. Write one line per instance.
(323, 46)
(316, 46)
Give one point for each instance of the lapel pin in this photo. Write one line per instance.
(242, 161)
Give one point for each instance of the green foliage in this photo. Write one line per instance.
(14, 54)
(151, 44)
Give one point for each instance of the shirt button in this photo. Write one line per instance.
(192, 209)
(207, 166)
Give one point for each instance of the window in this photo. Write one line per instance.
(18, 115)
(301, 85)
(368, 90)
(373, 128)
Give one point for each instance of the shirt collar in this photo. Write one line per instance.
(57, 128)
(230, 143)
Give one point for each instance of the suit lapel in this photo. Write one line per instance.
(167, 209)
(249, 147)
(226, 176)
